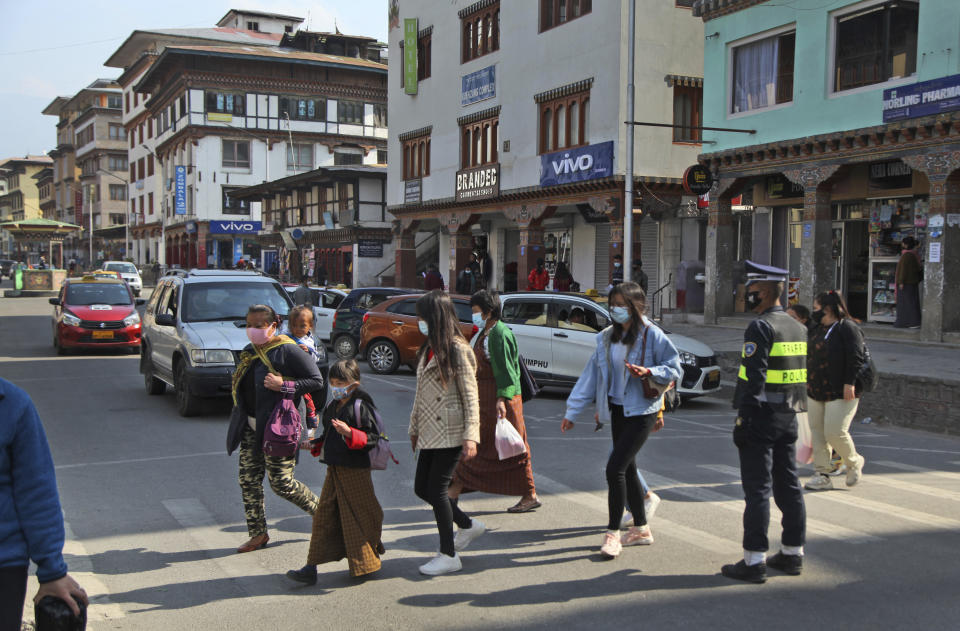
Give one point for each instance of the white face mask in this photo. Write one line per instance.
(423, 327)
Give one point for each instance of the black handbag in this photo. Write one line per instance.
(867, 377)
(528, 385)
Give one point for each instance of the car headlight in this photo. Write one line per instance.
(70, 320)
(130, 320)
(688, 359)
(216, 356)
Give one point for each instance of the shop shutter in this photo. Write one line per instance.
(602, 257)
(649, 233)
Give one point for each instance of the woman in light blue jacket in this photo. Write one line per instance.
(630, 352)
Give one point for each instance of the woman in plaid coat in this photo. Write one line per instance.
(444, 424)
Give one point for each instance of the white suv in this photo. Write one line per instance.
(128, 272)
(557, 334)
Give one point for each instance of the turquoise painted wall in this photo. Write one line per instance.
(814, 110)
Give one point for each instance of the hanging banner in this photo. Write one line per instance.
(577, 165)
(180, 190)
(410, 26)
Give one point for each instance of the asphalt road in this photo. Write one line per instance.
(153, 512)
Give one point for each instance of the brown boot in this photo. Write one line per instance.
(255, 543)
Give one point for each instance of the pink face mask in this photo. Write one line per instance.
(259, 336)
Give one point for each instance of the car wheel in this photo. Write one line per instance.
(345, 347)
(56, 344)
(383, 357)
(153, 385)
(187, 404)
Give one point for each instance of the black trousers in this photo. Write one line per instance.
(623, 483)
(435, 469)
(13, 589)
(768, 464)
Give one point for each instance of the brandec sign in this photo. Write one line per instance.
(478, 182)
(925, 98)
(576, 165)
(235, 227)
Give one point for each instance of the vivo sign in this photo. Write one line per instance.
(235, 227)
(576, 165)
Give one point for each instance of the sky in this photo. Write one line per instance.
(56, 48)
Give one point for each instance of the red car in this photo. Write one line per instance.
(95, 312)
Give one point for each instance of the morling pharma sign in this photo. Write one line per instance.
(925, 98)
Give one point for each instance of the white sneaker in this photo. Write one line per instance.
(611, 544)
(818, 482)
(650, 505)
(465, 535)
(637, 537)
(854, 473)
(442, 564)
(627, 520)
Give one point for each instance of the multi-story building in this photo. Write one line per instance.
(225, 117)
(67, 195)
(509, 137)
(854, 108)
(135, 56)
(45, 192)
(21, 199)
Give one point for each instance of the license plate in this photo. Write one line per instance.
(103, 335)
(712, 380)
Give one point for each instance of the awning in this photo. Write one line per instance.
(39, 228)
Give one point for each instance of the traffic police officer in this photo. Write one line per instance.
(771, 390)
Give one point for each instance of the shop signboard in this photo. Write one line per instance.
(190, 227)
(697, 180)
(234, 226)
(369, 248)
(180, 190)
(892, 174)
(576, 165)
(478, 86)
(478, 182)
(413, 191)
(779, 187)
(410, 27)
(925, 98)
(78, 206)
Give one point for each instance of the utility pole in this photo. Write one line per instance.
(628, 183)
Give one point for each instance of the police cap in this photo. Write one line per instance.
(757, 273)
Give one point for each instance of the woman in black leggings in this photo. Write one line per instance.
(444, 424)
(633, 365)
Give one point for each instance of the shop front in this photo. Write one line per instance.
(230, 241)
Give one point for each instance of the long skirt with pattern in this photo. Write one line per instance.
(486, 472)
(348, 521)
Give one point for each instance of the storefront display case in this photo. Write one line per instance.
(891, 221)
(883, 290)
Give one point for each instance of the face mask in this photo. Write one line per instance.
(752, 300)
(620, 315)
(259, 337)
(423, 327)
(340, 393)
(816, 316)
(617, 265)
(478, 320)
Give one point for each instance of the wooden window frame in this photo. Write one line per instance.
(696, 135)
(473, 153)
(416, 157)
(552, 132)
(424, 56)
(480, 32)
(549, 12)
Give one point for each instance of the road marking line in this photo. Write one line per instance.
(947, 475)
(912, 487)
(925, 451)
(691, 536)
(390, 383)
(890, 510)
(727, 502)
(715, 428)
(136, 460)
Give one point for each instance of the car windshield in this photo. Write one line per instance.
(123, 268)
(212, 302)
(85, 294)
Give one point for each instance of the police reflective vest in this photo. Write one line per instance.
(773, 364)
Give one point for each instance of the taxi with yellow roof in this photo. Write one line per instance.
(96, 310)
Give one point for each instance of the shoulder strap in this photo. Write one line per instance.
(262, 352)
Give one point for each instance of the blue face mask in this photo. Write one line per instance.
(478, 320)
(423, 327)
(340, 393)
(620, 315)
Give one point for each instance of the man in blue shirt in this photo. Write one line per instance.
(31, 523)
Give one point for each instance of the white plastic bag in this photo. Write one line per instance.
(804, 439)
(509, 441)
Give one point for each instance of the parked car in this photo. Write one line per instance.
(556, 333)
(128, 272)
(390, 337)
(95, 312)
(194, 329)
(349, 316)
(325, 303)
(6, 268)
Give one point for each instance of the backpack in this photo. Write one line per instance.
(380, 454)
(281, 436)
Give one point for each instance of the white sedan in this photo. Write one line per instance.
(325, 303)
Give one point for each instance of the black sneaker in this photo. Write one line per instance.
(743, 572)
(307, 575)
(791, 564)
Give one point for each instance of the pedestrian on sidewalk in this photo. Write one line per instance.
(539, 278)
(771, 390)
(498, 387)
(31, 520)
(444, 424)
(257, 387)
(834, 356)
(633, 364)
(909, 275)
(433, 279)
(302, 294)
(349, 520)
(562, 278)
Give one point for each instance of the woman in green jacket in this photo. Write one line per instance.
(498, 382)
